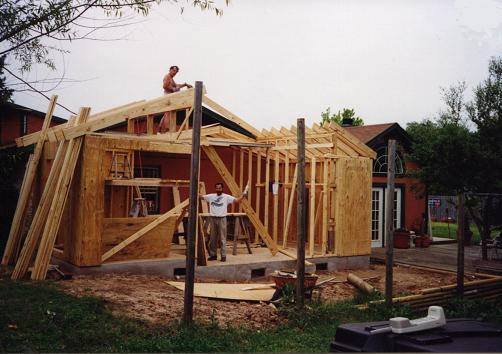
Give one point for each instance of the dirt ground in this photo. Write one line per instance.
(149, 298)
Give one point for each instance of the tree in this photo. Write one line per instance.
(455, 159)
(29, 28)
(340, 116)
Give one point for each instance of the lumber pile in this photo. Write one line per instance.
(486, 289)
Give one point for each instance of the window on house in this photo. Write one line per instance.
(151, 194)
(380, 165)
(24, 124)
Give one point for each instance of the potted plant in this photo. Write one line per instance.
(401, 238)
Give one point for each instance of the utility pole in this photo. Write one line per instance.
(389, 221)
(193, 205)
(301, 216)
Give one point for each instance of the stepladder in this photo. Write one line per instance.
(240, 230)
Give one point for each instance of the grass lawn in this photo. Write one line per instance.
(440, 229)
(36, 317)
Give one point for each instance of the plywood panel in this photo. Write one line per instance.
(353, 207)
(154, 244)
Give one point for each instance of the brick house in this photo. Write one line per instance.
(410, 203)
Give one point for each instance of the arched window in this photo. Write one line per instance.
(380, 164)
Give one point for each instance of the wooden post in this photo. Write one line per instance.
(149, 124)
(389, 221)
(301, 216)
(325, 207)
(266, 189)
(460, 245)
(276, 196)
(193, 206)
(258, 191)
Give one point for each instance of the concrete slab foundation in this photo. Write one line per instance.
(237, 268)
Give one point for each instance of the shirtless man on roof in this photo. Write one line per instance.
(170, 86)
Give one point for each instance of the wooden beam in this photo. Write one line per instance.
(312, 207)
(174, 211)
(307, 146)
(147, 182)
(130, 126)
(234, 189)
(56, 132)
(229, 115)
(22, 203)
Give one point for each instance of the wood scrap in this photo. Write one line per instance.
(360, 284)
(227, 291)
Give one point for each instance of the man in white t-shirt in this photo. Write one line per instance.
(218, 203)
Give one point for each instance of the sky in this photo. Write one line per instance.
(271, 62)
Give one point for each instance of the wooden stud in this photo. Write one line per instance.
(241, 174)
(325, 192)
(234, 167)
(258, 190)
(301, 217)
(290, 208)
(22, 203)
(276, 197)
(234, 189)
(130, 126)
(250, 175)
(185, 123)
(149, 124)
(203, 203)
(266, 189)
(286, 190)
(312, 207)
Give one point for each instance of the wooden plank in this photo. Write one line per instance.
(325, 206)
(229, 115)
(312, 207)
(307, 146)
(229, 291)
(234, 189)
(55, 213)
(40, 217)
(154, 244)
(352, 206)
(22, 203)
(290, 208)
(177, 209)
(266, 189)
(275, 220)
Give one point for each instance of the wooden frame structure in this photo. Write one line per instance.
(90, 225)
